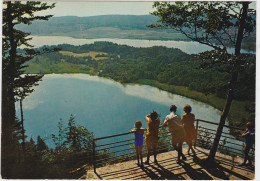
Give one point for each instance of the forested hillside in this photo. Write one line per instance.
(166, 68)
(73, 23)
(128, 64)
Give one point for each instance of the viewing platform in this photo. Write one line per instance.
(194, 168)
(114, 157)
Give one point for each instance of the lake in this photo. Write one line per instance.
(102, 105)
(188, 47)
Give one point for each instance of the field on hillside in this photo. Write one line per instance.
(92, 54)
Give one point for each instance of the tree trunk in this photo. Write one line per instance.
(230, 95)
(23, 138)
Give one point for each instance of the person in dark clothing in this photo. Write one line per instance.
(249, 136)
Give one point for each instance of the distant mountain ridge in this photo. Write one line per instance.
(111, 26)
(65, 24)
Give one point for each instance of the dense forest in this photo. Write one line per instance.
(167, 68)
(128, 64)
(69, 159)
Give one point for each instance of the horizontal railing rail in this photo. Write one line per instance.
(120, 147)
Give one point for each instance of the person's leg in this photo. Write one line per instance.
(247, 158)
(189, 143)
(181, 153)
(174, 144)
(137, 154)
(176, 147)
(155, 152)
(192, 149)
(141, 155)
(148, 147)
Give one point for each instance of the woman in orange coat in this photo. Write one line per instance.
(151, 136)
(188, 120)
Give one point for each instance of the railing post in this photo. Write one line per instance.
(197, 128)
(94, 155)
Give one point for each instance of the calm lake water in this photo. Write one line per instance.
(102, 105)
(188, 47)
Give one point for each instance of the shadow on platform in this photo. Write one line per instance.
(195, 168)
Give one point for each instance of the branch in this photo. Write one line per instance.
(234, 10)
(197, 40)
(229, 36)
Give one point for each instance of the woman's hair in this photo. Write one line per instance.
(173, 108)
(154, 115)
(187, 108)
(138, 124)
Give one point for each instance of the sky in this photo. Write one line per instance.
(82, 9)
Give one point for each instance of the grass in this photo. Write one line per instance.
(92, 54)
(63, 67)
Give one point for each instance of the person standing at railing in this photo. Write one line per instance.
(188, 120)
(151, 137)
(173, 121)
(249, 136)
(139, 132)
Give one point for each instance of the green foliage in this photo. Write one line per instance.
(41, 144)
(204, 138)
(218, 25)
(15, 61)
(78, 137)
(127, 64)
(164, 140)
(211, 23)
(62, 162)
(15, 83)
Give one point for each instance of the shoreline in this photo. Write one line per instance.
(244, 46)
(211, 100)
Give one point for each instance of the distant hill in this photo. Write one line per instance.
(73, 23)
(111, 26)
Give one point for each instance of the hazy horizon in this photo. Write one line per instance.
(87, 9)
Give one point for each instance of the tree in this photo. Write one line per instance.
(78, 137)
(41, 145)
(15, 84)
(218, 25)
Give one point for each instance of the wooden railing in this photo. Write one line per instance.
(120, 147)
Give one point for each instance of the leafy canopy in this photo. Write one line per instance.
(210, 23)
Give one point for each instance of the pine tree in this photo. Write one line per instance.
(15, 84)
(72, 135)
(41, 145)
